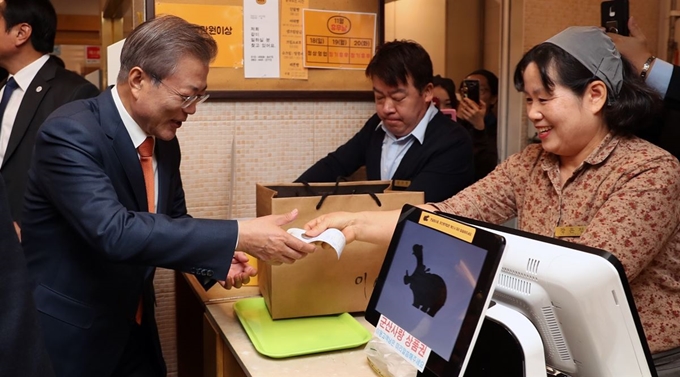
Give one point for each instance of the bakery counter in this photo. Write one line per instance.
(228, 352)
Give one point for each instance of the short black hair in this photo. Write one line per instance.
(491, 79)
(449, 85)
(40, 14)
(395, 61)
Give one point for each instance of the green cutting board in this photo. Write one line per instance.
(298, 336)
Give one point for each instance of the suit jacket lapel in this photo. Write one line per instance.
(374, 153)
(29, 105)
(123, 147)
(163, 165)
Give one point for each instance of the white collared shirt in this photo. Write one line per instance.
(137, 135)
(394, 149)
(23, 79)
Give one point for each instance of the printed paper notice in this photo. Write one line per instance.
(223, 22)
(407, 345)
(292, 62)
(339, 40)
(261, 38)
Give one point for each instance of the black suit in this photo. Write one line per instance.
(52, 87)
(484, 145)
(89, 240)
(664, 130)
(22, 351)
(673, 92)
(441, 166)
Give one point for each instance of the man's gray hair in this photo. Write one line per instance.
(157, 45)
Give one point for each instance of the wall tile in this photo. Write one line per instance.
(275, 142)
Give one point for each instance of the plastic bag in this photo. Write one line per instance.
(386, 362)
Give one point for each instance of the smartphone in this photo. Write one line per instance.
(451, 113)
(614, 16)
(470, 89)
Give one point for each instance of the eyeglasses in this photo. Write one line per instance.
(186, 100)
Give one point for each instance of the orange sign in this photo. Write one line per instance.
(223, 22)
(340, 40)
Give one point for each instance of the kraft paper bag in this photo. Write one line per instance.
(322, 284)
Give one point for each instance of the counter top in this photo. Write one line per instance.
(350, 362)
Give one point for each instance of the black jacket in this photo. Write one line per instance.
(51, 87)
(441, 166)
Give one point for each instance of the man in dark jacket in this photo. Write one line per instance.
(22, 351)
(408, 140)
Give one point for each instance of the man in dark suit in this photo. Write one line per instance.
(29, 28)
(99, 215)
(408, 140)
(660, 75)
(22, 351)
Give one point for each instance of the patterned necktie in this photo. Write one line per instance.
(9, 88)
(145, 151)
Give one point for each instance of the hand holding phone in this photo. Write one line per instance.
(614, 16)
(470, 89)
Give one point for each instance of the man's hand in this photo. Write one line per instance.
(240, 271)
(634, 48)
(264, 239)
(472, 112)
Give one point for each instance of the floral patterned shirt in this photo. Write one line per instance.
(626, 194)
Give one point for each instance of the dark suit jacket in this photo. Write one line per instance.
(89, 240)
(673, 93)
(664, 130)
(22, 351)
(52, 87)
(441, 166)
(485, 145)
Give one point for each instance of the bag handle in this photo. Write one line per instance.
(309, 188)
(335, 192)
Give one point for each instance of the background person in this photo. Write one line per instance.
(444, 90)
(408, 139)
(28, 30)
(660, 75)
(480, 120)
(101, 212)
(589, 171)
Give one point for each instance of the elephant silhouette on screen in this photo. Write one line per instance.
(429, 290)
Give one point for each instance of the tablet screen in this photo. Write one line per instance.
(435, 284)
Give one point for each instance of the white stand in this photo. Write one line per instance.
(527, 336)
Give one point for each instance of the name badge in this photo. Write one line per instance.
(569, 231)
(401, 183)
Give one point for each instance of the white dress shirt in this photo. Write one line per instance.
(23, 79)
(393, 149)
(137, 135)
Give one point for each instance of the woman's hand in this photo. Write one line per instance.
(472, 112)
(343, 221)
(370, 226)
